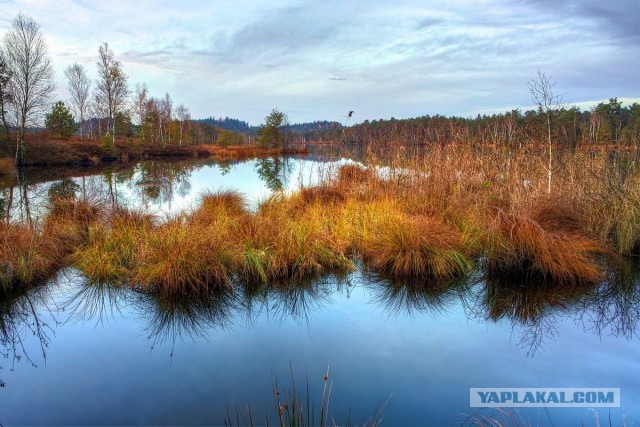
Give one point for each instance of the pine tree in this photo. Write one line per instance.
(60, 122)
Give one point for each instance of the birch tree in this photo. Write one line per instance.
(549, 102)
(5, 95)
(182, 113)
(32, 77)
(111, 89)
(79, 86)
(139, 106)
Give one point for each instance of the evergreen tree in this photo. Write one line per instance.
(60, 122)
(271, 133)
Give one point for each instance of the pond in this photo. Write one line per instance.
(76, 353)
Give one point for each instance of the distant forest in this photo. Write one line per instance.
(607, 123)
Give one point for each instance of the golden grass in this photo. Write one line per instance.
(179, 259)
(418, 247)
(32, 254)
(280, 246)
(426, 218)
(112, 246)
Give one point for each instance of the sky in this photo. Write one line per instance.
(317, 60)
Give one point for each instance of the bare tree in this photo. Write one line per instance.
(549, 102)
(182, 113)
(79, 85)
(32, 82)
(139, 105)
(111, 90)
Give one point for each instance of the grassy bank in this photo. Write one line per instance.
(40, 151)
(431, 219)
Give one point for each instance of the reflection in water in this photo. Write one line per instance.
(149, 184)
(400, 298)
(289, 300)
(26, 321)
(95, 302)
(158, 181)
(177, 318)
(614, 307)
(536, 311)
(274, 171)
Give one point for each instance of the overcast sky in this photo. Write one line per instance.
(318, 60)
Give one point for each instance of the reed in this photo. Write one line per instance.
(280, 246)
(112, 247)
(24, 256)
(179, 259)
(547, 241)
(417, 247)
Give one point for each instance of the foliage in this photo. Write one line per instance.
(271, 133)
(59, 121)
(226, 138)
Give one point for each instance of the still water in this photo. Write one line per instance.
(85, 354)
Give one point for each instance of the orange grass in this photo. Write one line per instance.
(548, 241)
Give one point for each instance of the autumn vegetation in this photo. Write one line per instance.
(429, 219)
(542, 197)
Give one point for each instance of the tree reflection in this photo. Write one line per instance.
(274, 171)
(65, 189)
(159, 181)
(23, 321)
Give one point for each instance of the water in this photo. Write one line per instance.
(109, 356)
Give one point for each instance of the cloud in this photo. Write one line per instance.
(315, 60)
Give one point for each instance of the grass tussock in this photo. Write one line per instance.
(26, 256)
(179, 259)
(547, 241)
(415, 247)
(427, 217)
(282, 247)
(111, 250)
(31, 254)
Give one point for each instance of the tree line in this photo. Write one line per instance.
(97, 109)
(606, 123)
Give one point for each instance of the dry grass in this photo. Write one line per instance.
(31, 254)
(282, 246)
(180, 259)
(417, 247)
(428, 218)
(548, 241)
(112, 246)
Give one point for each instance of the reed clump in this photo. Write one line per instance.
(280, 246)
(179, 259)
(548, 242)
(112, 247)
(415, 247)
(32, 253)
(25, 256)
